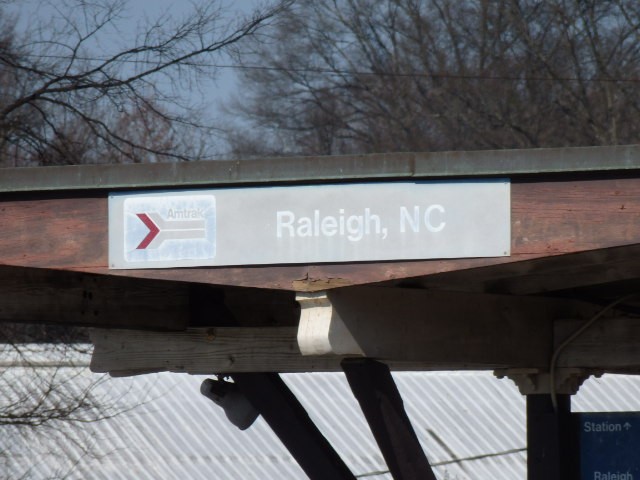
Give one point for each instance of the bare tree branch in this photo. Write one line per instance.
(442, 75)
(58, 68)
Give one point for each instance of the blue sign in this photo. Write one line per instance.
(609, 445)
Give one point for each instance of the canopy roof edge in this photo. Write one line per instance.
(345, 168)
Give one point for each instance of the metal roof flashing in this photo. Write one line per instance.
(324, 169)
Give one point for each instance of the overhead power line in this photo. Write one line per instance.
(341, 72)
(452, 461)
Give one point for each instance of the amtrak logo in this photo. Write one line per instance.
(160, 228)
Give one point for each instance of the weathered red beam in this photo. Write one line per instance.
(548, 218)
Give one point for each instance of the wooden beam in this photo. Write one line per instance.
(286, 416)
(590, 269)
(548, 218)
(225, 306)
(439, 328)
(407, 329)
(46, 296)
(382, 405)
(203, 351)
(611, 344)
(73, 298)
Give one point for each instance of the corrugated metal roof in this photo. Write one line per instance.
(471, 425)
(388, 166)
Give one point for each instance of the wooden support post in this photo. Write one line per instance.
(549, 441)
(291, 423)
(381, 403)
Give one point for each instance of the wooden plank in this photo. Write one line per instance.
(288, 419)
(221, 350)
(54, 232)
(204, 351)
(45, 296)
(548, 218)
(407, 329)
(72, 298)
(571, 216)
(591, 268)
(611, 344)
(380, 400)
(238, 306)
(482, 330)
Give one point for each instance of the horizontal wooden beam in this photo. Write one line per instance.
(407, 329)
(611, 345)
(219, 350)
(204, 351)
(45, 296)
(443, 328)
(584, 270)
(548, 218)
(275, 349)
(72, 298)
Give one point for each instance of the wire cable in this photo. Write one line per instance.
(331, 71)
(571, 338)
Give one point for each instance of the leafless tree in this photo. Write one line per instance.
(72, 90)
(46, 392)
(358, 76)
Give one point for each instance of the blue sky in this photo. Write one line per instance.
(135, 15)
(224, 83)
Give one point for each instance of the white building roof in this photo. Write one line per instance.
(471, 425)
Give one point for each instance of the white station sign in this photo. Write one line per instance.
(309, 224)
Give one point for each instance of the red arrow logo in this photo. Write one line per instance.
(161, 230)
(153, 231)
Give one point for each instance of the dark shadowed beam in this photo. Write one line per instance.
(59, 297)
(382, 405)
(45, 296)
(549, 452)
(587, 272)
(291, 423)
(456, 329)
